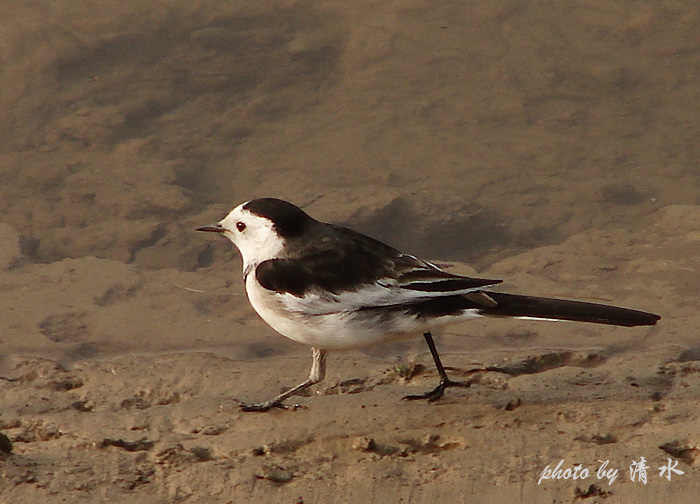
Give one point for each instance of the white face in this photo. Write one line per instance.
(254, 236)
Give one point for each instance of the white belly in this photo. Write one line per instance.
(331, 329)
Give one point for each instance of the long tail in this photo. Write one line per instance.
(514, 305)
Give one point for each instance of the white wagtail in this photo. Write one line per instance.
(333, 288)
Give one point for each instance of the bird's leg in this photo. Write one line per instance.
(316, 375)
(436, 393)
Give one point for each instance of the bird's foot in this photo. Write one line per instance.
(437, 392)
(268, 405)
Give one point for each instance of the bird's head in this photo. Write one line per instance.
(261, 228)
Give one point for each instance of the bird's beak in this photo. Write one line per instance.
(212, 228)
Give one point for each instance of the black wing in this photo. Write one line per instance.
(343, 260)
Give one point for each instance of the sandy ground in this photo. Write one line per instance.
(554, 146)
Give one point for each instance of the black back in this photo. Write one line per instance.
(326, 257)
(330, 258)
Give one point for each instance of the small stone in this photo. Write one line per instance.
(49, 431)
(202, 453)
(686, 451)
(85, 405)
(142, 444)
(513, 404)
(213, 430)
(276, 474)
(363, 443)
(5, 443)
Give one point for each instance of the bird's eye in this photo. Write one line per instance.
(240, 226)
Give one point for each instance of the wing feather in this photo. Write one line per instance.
(331, 281)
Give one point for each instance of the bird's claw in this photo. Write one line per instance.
(437, 392)
(268, 405)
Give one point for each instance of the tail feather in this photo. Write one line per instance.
(514, 305)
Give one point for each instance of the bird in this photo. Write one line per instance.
(333, 288)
